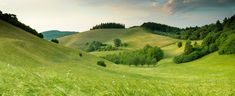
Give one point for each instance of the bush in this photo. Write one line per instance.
(124, 44)
(188, 48)
(186, 58)
(55, 41)
(213, 47)
(117, 42)
(179, 44)
(93, 46)
(101, 63)
(229, 46)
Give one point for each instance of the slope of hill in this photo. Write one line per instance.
(32, 66)
(53, 34)
(135, 38)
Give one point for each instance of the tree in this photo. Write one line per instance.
(188, 48)
(147, 55)
(80, 54)
(55, 41)
(180, 44)
(219, 26)
(117, 42)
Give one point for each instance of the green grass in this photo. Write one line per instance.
(31, 66)
(135, 38)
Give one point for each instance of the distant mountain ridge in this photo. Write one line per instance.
(53, 34)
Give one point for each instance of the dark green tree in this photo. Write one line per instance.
(117, 42)
(179, 44)
(55, 41)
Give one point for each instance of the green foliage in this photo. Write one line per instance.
(12, 19)
(179, 44)
(147, 55)
(228, 47)
(101, 63)
(219, 26)
(93, 46)
(188, 48)
(80, 54)
(109, 26)
(117, 42)
(99, 46)
(160, 27)
(186, 58)
(55, 41)
(124, 44)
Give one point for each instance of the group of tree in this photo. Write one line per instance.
(147, 56)
(109, 26)
(191, 33)
(156, 27)
(223, 42)
(12, 19)
(99, 46)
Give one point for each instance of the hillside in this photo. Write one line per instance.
(135, 38)
(33, 66)
(21, 48)
(53, 34)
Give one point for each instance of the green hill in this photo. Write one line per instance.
(33, 66)
(135, 38)
(53, 34)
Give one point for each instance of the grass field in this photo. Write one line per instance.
(30, 66)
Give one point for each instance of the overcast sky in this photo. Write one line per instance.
(81, 15)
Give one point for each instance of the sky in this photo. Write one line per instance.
(81, 15)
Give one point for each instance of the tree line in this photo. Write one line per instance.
(12, 19)
(190, 33)
(147, 56)
(160, 27)
(108, 26)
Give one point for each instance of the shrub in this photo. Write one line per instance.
(117, 42)
(93, 46)
(213, 47)
(55, 41)
(101, 63)
(179, 44)
(124, 44)
(80, 54)
(229, 46)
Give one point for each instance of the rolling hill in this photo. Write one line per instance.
(53, 34)
(135, 38)
(33, 66)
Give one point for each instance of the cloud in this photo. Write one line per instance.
(174, 6)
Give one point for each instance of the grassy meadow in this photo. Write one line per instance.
(30, 66)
